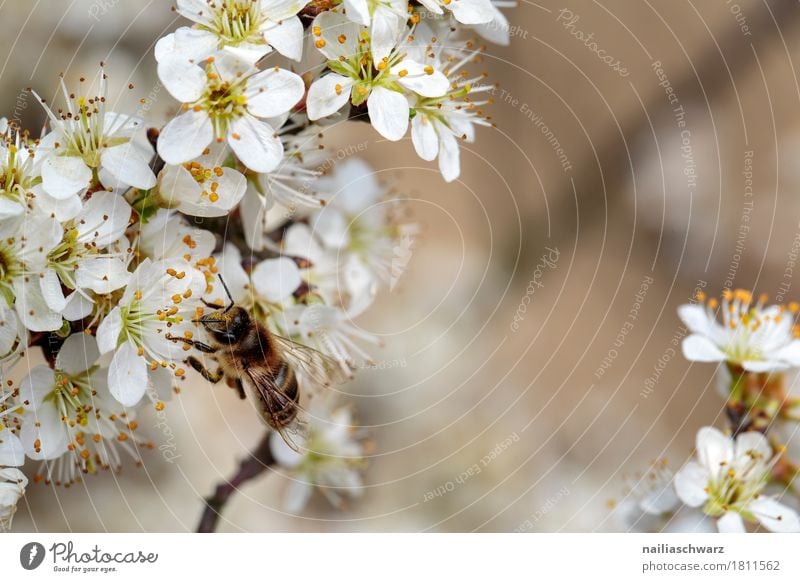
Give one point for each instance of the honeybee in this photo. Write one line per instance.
(255, 361)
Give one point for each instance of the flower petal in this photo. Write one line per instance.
(731, 522)
(696, 318)
(10, 208)
(108, 331)
(192, 44)
(331, 227)
(229, 263)
(77, 354)
(424, 137)
(698, 348)
(273, 92)
(759, 366)
(497, 30)
(286, 37)
(334, 28)
(77, 307)
(184, 81)
(10, 331)
(298, 492)
(388, 113)
(195, 10)
(691, 483)
(752, 442)
(276, 279)
(357, 11)
(472, 11)
(283, 454)
(179, 188)
(327, 95)
(128, 167)
(32, 308)
(103, 219)
(64, 176)
(102, 274)
(255, 144)
(774, 515)
(386, 29)
(421, 79)
(51, 290)
(127, 375)
(43, 434)
(789, 353)
(12, 453)
(449, 156)
(36, 386)
(714, 449)
(185, 137)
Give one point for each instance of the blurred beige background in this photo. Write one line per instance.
(632, 200)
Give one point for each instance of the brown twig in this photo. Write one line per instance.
(249, 469)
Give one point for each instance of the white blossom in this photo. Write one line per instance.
(227, 98)
(71, 421)
(756, 337)
(728, 479)
(330, 458)
(89, 145)
(357, 227)
(254, 27)
(439, 123)
(347, 46)
(649, 499)
(160, 300)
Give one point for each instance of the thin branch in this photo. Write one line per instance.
(249, 469)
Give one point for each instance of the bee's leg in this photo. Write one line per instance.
(240, 388)
(236, 384)
(205, 348)
(211, 305)
(212, 377)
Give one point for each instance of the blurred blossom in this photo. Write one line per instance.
(330, 458)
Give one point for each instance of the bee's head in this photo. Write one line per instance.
(226, 326)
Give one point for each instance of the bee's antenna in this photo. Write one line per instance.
(227, 291)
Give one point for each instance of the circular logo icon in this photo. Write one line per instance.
(31, 555)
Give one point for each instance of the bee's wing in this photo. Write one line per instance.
(312, 364)
(295, 435)
(263, 383)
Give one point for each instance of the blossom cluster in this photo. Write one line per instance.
(114, 235)
(749, 473)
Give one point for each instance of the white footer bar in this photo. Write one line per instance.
(406, 557)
